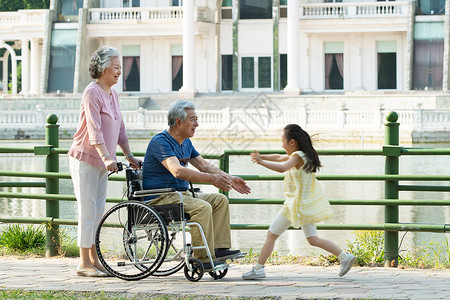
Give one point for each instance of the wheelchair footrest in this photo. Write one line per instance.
(234, 257)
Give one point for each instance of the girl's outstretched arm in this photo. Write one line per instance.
(277, 166)
(275, 157)
(269, 157)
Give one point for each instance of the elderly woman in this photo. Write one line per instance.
(93, 152)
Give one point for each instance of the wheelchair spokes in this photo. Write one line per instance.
(175, 256)
(132, 240)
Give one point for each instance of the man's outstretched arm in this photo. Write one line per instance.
(203, 165)
(219, 180)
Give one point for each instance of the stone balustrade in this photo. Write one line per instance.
(143, 14)
(353, 10)
(23, 17)
(252, 119)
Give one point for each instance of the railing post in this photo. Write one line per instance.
(141, 117)
(379, 116)
(303, 119)
(52, 185)
(343, 119)
(224, 165)
(392, 151)
(418, 122)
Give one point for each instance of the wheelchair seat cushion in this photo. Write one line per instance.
(171, 212)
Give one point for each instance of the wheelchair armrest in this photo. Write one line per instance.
(153, 192)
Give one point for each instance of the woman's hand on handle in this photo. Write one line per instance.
(111, 165)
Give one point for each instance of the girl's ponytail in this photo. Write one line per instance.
(294, 131)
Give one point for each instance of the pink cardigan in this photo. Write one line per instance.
(100, 123)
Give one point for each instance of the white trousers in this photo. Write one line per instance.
(280, 224)
(90, 187)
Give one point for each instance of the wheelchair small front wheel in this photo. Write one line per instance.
(218, 274)
(196, 272)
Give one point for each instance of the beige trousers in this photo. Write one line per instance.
(212, 212)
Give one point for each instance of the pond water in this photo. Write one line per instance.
(292, 242)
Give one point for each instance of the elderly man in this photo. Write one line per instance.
(165, 166)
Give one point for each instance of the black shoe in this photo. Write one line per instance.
(207, 265)
(224, 254)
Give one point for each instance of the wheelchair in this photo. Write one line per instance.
(135, 239)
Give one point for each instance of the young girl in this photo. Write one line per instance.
(305, 202)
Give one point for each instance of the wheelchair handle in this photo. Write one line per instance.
(120, 166)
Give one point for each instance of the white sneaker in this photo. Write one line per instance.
(254, 274)
(346, 264)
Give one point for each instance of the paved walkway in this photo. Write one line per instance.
(282, 282)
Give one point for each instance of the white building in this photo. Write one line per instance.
(204, 46)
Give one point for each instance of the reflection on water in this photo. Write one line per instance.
(291, 242)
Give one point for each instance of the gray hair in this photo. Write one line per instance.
(101, 59)
(177, 110)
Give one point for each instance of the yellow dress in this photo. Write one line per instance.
(305, 200)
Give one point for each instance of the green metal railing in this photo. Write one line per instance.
(391, 150)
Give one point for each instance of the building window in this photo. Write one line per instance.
(334, 71)
(177, 2)
(428, 64)
(264, 72)
(227, 9)
(387, 64)
(283, 8)
(430, 7)
(248, 72)
(256, 72)
(68, 10)
(131, 78)
(227, 72)
(387, 71)
(131, 74)
(177, 72)
(62, 61)
(131, 3)
(255, 9)
(283, 71)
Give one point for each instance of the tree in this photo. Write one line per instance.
(36, 4)
(15, 5)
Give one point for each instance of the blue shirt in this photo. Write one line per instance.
(161, 147)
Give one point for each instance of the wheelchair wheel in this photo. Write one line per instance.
(175, 257)
(197, 270)
(131, 240)
(218, 274)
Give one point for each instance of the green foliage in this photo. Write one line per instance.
(30, 240)
(69, 247)
(431, 254)
(15, 5)
(72, 295)
(328, 260)
(19, 78)
(23, 239)
(11, 5)
(36, 4)
(368, 247)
